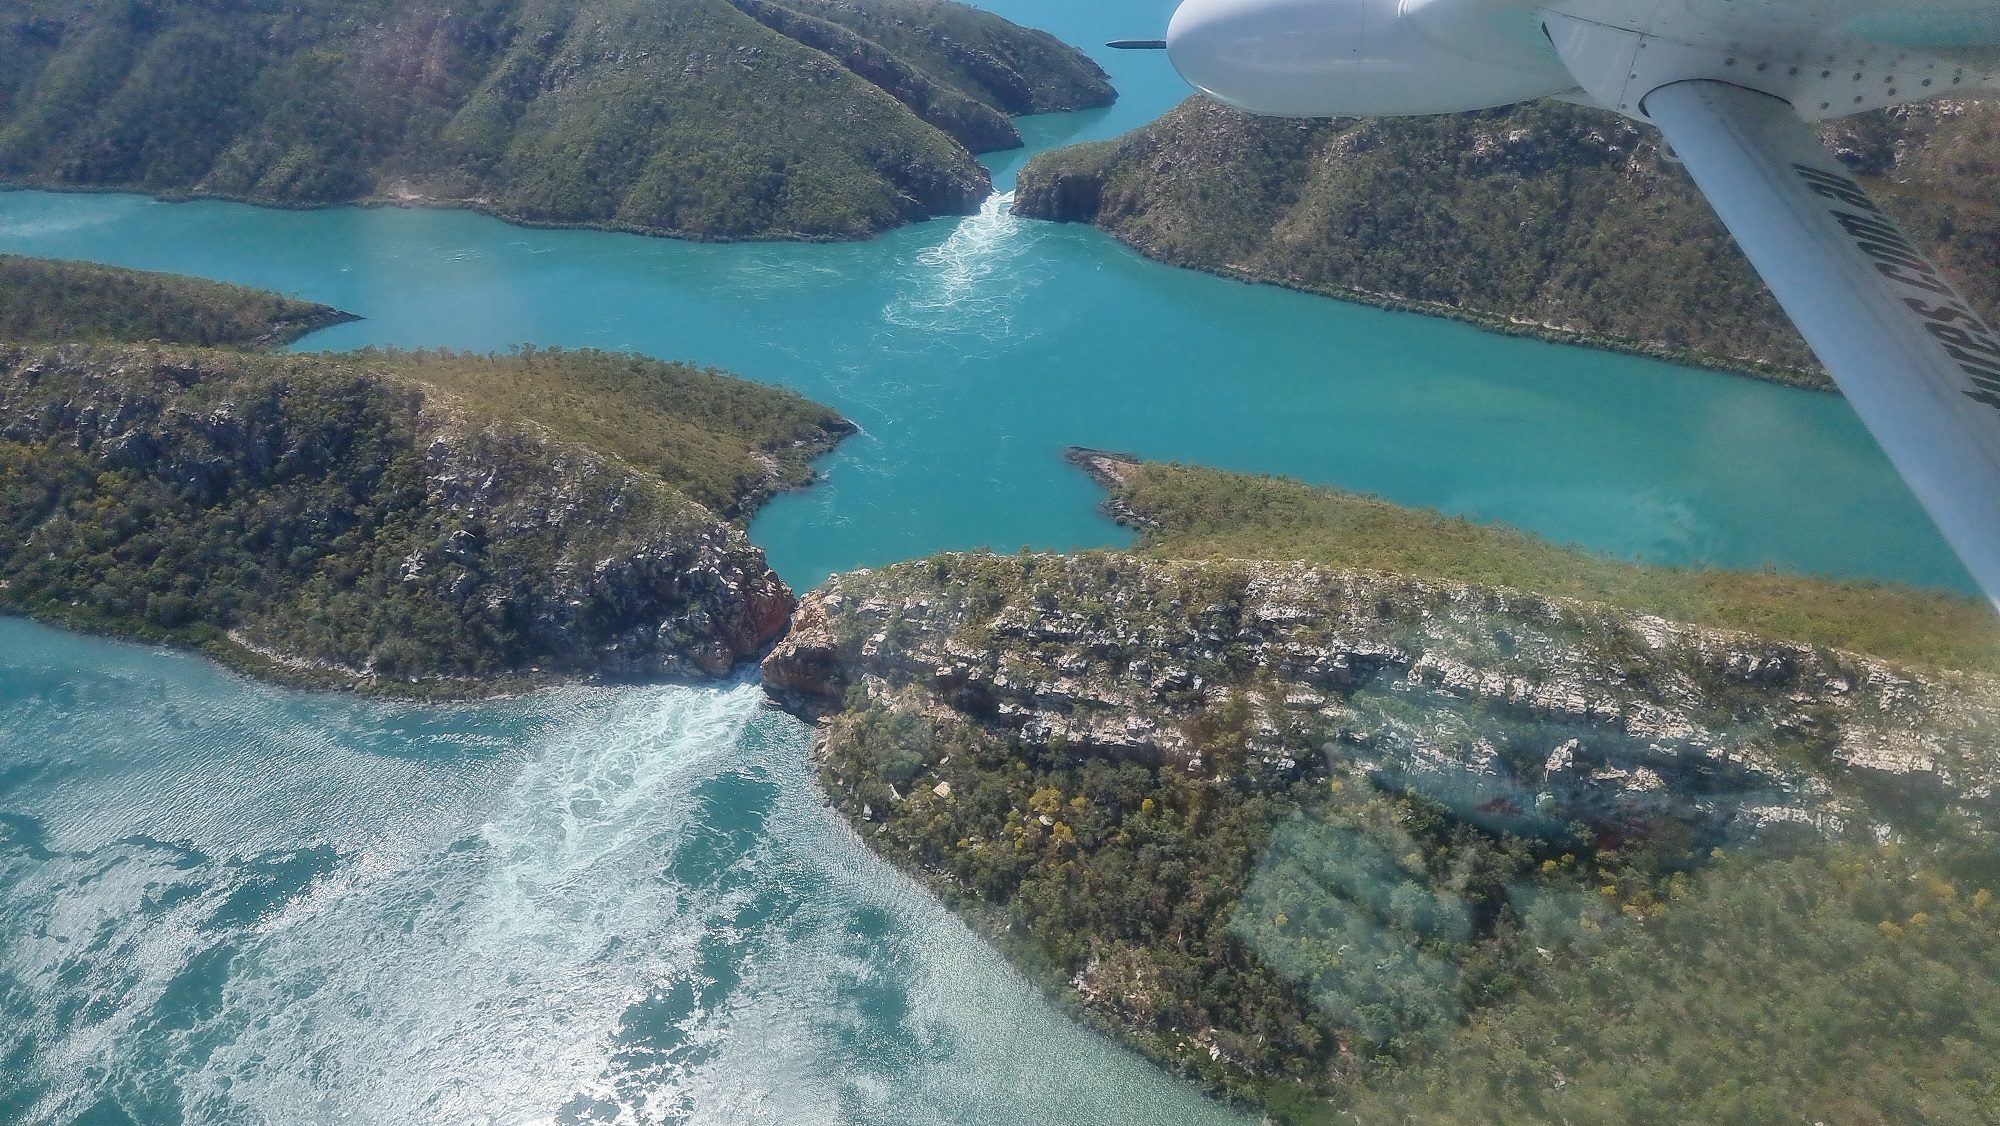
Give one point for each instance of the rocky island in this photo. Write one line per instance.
(427, 523)
(715, 119)
(1545, 218)
(1327, 836)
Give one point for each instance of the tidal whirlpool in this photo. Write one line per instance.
(223, 902)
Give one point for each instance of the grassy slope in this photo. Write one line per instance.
(723, 441)
(683, 117)
(42, 299)
(1545, 217)
(1197, 513)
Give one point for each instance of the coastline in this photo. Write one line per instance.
(687, 603)
(1805, 379)
(291, 333)
(972, 692)
(1017, 948)
(476, 206)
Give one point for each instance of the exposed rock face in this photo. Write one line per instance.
(358, 527)
(683, 596)
(1264, 820)
(1515, 711)
(803, 672)
(1113, 471)
(1061, 193)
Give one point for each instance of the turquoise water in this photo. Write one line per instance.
(223, 902)
(226, 903)
(972, 350)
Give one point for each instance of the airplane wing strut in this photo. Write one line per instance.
(1918, 365)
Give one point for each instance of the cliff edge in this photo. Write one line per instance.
(1321, 834)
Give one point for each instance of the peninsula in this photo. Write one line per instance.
(1328, 836)
(414, 523)
(42, 299)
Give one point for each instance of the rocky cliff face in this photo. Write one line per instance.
(1065, 191)
(671, 591)
(1517, 712)
(343, 525)
(1282, 827)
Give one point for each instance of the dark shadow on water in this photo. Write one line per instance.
(271, 881)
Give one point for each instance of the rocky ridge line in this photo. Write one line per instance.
(1515, 710)
(588, 566)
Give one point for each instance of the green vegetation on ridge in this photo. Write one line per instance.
(1544, 218)
(418, 522)
(682, 117)
(1279, 917)
(41, 299)
(1848, 983)
(723, 441)
(1125, 880)
(1190, 512)
(1353, 847)
(346, 520)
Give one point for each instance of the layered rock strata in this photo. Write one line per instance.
(322, 519)
(1518, 712)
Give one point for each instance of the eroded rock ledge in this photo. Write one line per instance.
(324, 520)
(1516, 711)
(1280, 826)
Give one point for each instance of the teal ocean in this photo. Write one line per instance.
(223, 902)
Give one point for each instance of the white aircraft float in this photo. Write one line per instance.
(1732, 84)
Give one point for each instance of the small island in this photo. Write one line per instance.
(414, 523)
(1542, 219)
(1339, 806)
(705, 119)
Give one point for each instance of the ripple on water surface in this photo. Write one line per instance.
(223, 902)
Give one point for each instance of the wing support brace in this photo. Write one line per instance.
(1916, 362)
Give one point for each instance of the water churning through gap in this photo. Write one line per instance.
(229, 903)
(222, 902)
